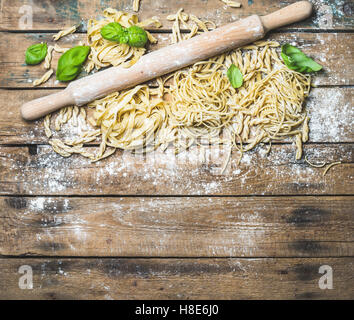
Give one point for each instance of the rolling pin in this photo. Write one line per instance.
(166, 60)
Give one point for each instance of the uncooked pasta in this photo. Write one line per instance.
(305, 130)
(46, 124)
(193, 106)
(319, 165)
(105, 53)
(189, 22)
(48, 58)
(59, 49)
(267, 107)
(330, 166)
(64, 33)
(323, 164)
(136, 5)
(232, 4)
(44, 78)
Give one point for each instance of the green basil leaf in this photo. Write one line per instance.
(36, 53)
(134, 36)
(235, 76)
(296, 60)
(70, 63)
(124, 37)
(137, 37)
(112, 31)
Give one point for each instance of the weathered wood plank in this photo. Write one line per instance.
(330, 110)
(177, 278)
(196, 172)
(54, 15)
(178, 227)
(20, 75)
(332, 50)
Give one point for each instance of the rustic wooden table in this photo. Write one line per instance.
(134, 227)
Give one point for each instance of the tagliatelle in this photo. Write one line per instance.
(105, 53)
(200, 106)
(189, 22)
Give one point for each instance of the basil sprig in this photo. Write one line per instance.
(235, 76)
(70, 63)
(36, 53)
(134, 36)
(296, 60)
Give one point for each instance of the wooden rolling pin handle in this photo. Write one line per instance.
(294, 13)
(40, 107)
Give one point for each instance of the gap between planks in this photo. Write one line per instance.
(177, 279)
(38, 257)
(78, 196)
(329, 15)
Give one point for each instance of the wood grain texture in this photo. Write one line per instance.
(177, 278)
(178, 227)
(20, 75)
(177, 247)
(40, 171)
(337, 60)
(55, 15)
(330, 111)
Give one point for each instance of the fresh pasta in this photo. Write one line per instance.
(48, 58)
(319, 165)
(199, 106)
(189, 22)
(232, 4)
(136, 5)
(59, 49)
(267, 107)
(64, 33)
(330, 166)
(323, 164)
(105, 53)
(43, 79)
